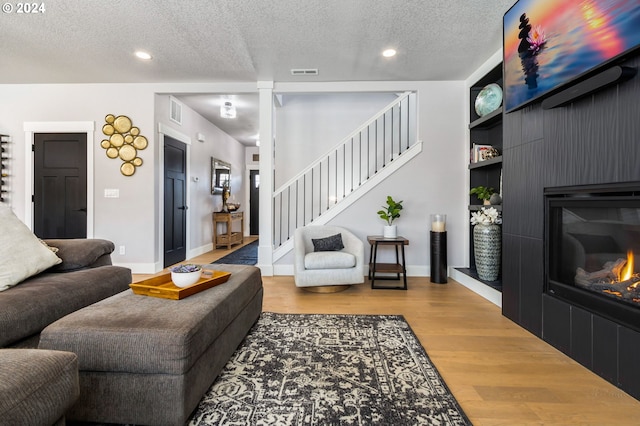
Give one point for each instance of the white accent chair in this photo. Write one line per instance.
(314, 270)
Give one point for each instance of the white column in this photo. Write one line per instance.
(265, 246)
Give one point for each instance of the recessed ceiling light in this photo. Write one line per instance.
(389, 53)
(143, 55)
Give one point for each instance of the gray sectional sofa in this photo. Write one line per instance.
(152, 359)
(84, 276)
(38, 386)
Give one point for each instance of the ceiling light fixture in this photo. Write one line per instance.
(143, 55)
(227, 110)
(389, 53)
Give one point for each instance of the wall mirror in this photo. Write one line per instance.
(220, 175)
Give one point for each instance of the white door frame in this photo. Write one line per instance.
(164, 130)
(33, 127)
(247, 188)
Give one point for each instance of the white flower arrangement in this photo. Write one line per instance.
(486, 216)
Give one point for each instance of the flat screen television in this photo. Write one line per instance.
(548, 44)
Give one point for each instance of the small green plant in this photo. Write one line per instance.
(391, 211)
(482, 192)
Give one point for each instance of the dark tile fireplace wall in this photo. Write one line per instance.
(595, 140)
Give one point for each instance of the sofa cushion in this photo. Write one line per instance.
(29, 307)
(329, 260)
(22, 255)
(36, 386)
(332, 243)
(53, 249)
(80, 253)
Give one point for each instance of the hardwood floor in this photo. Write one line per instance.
(499, 372)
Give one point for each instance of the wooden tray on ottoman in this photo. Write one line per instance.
(162, 286)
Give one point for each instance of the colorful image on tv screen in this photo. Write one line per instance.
(549, 42)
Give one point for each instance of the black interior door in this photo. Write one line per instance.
(175, 206)
(60, 185)
(254, 202)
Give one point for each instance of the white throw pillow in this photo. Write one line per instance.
(22, 255)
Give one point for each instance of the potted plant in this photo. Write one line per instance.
(389, 213)
(483, 193)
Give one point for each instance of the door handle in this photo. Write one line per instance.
(183, 208)
(83, 209)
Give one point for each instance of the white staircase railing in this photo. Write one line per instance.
(345, 167)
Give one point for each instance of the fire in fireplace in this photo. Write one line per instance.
(592, 236)
(616, 279)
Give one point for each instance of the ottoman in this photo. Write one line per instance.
(36, 387)
(146, 360)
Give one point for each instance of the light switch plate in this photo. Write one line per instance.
(111, 193)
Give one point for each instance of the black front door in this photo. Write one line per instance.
(175, 203)
(254, 202)
(60, 185)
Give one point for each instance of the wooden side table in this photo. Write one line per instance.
(229, 237)
(394, 268)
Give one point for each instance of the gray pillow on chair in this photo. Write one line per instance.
(332, 243)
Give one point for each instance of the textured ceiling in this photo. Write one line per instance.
(90, 41)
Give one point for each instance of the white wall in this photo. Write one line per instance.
(433, 182)
(128, 220)
(132, 220)
(216, 144)
(309, 125)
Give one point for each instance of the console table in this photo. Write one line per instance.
(229, 237)
(395, 268)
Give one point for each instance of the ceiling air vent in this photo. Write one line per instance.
(300, 71)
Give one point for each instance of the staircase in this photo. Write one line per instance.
(347, 171)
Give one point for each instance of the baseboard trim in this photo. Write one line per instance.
(194, 252)
(412, 270)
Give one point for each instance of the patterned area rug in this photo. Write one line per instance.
(247, 255)
(295, 369)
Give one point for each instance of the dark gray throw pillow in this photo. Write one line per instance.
(332, 243)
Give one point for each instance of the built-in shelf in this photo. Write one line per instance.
(487, 121)
(485, 131)
(487, 163)
(476, 207)
(496, 285)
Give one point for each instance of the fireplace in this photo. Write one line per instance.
(592, 239)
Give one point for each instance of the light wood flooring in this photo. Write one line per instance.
(500, 373)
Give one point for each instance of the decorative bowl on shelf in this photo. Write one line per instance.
(232, 207)
(489, 99)
(185, 275)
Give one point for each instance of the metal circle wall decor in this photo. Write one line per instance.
(123, 142)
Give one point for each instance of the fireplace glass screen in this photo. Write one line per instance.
(593, 245)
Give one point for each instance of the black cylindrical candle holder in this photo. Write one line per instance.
(439, 257)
